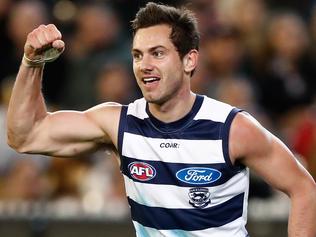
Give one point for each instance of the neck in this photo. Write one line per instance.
(173, 109)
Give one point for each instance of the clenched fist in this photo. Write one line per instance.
(42, 45)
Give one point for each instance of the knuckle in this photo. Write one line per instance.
(51, 26)
(36, 31)
(30, 35)
(42, 26)
(33, 32)
(58, 35)
(54, 31)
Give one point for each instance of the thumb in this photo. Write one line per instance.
(59, 45)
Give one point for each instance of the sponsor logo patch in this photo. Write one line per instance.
(198, 175)
(199, 197)
(141, 171)
(169, 145)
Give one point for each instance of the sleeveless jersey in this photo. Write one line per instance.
(178, 176)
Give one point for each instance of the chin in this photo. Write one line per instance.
(151, 99)
(157, 101)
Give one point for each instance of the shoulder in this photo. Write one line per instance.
(113, 110)
(214, 110)
(105, 114)
(248, 138)
(137, 108)
(107, 108)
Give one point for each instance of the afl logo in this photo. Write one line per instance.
(198, 175)
(141, 171)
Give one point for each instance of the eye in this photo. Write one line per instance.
(136, 56)
(158, 54)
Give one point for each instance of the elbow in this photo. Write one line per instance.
(306, 192)
(22, 136)
(16, 143)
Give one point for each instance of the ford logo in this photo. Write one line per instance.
(198, 175)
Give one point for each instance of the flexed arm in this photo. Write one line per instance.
(27, 105)
(31, 129)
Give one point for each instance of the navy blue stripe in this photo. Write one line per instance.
(166, 172)
(179, 124)
(187, 219)
(121, 129)
(196, 130)
(225, 135)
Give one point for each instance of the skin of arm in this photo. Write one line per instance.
(32, 129)
(258, 149)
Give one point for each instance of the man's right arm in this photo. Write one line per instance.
(31, 129)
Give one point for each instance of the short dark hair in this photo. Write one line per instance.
(184, 31)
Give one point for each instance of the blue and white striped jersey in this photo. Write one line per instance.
(178, 176)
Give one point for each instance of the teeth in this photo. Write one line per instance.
(150, 79)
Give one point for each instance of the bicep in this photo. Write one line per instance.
(69, 133)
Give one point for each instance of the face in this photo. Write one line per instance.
(157, 66)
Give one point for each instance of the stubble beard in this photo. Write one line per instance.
(158, 101)
(162, 98)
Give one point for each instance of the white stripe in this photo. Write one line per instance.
(189, 151)
(245, 209)
(213, 110)
(234, 228)
(170, 196)
(138, 109)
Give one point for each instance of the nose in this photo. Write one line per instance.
(146, 64)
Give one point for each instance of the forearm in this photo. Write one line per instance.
(303, 214)
(26, 105)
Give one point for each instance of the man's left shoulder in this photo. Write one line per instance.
(215, 110)
(246, 135)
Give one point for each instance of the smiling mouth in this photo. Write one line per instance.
(150, 79)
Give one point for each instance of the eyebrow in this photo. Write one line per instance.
(150, 49)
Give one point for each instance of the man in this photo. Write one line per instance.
(183, 156)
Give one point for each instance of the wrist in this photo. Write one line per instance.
(32, 62)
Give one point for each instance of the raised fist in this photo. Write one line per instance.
(43, 44)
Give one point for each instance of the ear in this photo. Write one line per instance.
(190, 61)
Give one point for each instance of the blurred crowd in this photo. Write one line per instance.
(257, 55)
